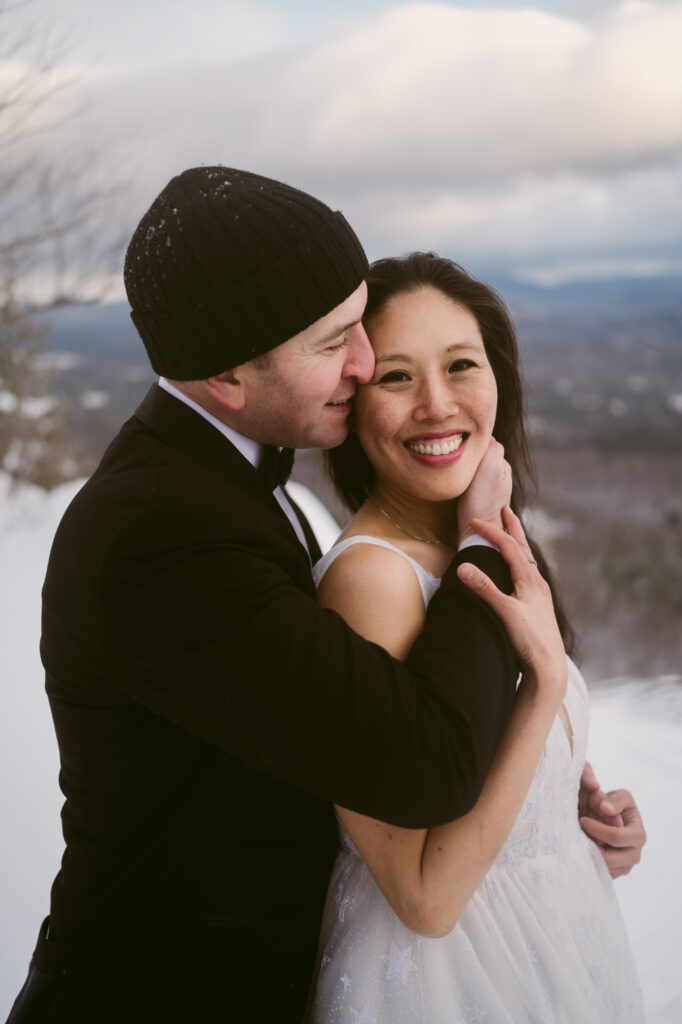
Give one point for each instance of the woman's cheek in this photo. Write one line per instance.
(375, 419)
(488, 410)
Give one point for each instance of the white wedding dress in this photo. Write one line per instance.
(541, 941)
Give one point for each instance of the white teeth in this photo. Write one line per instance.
(437, 447)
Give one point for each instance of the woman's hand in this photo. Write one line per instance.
(528, 613)
(489, 491)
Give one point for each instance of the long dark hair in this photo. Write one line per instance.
(351, 471)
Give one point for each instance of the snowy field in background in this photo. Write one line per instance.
(636, 731)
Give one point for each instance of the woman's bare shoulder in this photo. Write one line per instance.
(377, 591)
(372, 568)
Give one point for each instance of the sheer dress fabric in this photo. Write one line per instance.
(541, 940)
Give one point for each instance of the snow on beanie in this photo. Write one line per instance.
(226, 265)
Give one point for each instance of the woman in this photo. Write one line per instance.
(508, 914)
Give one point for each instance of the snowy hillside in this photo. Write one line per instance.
(636, 730)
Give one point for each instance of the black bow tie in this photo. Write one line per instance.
(275, 465)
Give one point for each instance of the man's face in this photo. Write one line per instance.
(301, 398)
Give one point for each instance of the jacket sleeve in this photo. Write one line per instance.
(221, 640)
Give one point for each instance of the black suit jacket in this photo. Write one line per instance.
(207, 712)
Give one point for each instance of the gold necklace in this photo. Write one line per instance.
(424, 540)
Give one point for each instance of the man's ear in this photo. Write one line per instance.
(228, 389)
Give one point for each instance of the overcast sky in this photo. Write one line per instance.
(543, 140)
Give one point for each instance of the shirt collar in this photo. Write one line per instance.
(250, 449)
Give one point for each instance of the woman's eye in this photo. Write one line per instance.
(393, 377)
(461, 364)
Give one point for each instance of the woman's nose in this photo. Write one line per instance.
(436, 402)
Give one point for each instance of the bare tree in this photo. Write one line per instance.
(56, 243)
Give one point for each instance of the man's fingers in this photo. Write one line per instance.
(626, 810)
(599, 830)
(621, 861)
(590, 793)
(613, 822)
(610, 835)
(621, 801)
(588, 779)
(593, 799)
(619, 872)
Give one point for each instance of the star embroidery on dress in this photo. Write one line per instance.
(362, 1016)
(346, 982)
(399, 962)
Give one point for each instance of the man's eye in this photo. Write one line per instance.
(338, 345)
(461, 364)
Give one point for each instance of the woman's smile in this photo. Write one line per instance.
(436, 449)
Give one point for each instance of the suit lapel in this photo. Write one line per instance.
(188, 433)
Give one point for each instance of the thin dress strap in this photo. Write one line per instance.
(427, 581)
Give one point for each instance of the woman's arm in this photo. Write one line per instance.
(429, 876)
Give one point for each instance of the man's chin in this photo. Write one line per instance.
(333, 438)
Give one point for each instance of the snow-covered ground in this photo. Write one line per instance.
(636, 730)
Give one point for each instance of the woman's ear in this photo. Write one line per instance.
(228, 389)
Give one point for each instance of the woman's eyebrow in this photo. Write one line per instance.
(399, 356)
(402, 357)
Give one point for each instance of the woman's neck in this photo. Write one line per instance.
(431, 522)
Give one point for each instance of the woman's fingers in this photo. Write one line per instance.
(512, 525)
(477, 581)
(514, 549)
(528, 613)
(489, 530)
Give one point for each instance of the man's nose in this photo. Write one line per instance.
(360, 357)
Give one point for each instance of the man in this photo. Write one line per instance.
(207, 710)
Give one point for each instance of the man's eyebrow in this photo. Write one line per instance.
(404, 358)
(334, 332)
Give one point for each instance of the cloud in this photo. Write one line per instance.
(637, 212)
(511, 131)
(440, 92)
(457, 95)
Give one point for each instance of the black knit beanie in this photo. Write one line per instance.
(225, 265)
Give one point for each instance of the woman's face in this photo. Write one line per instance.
(426, 417)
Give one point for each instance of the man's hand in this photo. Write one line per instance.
(613, 821)
(487, 493)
